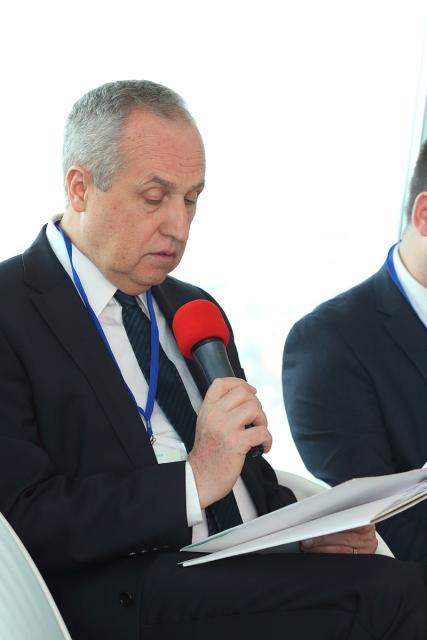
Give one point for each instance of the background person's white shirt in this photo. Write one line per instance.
(168, 446)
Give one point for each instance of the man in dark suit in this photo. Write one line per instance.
(355, 376)
(104, 478)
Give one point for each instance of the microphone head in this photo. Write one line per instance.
(196, 321)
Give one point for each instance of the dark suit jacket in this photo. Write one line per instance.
(79, 481)
(355, 390)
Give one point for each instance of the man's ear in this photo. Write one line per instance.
(78, 180)
(419, 213)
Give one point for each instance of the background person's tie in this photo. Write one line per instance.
(173, 399)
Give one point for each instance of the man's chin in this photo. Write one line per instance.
(135, 283)
(141, 285)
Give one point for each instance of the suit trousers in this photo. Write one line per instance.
(149, 596)
(290, 596)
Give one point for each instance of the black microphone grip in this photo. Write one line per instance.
(212, 359)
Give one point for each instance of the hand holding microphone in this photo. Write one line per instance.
(202, 335)
(221, 440)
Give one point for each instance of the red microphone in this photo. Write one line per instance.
(202, 335)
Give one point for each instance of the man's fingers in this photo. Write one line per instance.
(255, 436)
(365, 529)
(222, 440)
(238, 404)
(359, 540)
(220, 387)
(237, 397)
(329, 549)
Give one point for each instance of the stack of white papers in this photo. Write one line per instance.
(354, 503)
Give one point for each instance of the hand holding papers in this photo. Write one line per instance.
(351, 504)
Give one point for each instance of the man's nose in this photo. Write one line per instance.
(177, 220)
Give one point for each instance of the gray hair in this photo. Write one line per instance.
(93, 128)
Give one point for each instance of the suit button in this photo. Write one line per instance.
(126, 599)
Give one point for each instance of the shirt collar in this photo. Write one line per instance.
(98, 289)
(417, 294)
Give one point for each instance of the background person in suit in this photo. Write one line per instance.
(104, 488)
(355, 376)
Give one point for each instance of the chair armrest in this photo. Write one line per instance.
(27, 609)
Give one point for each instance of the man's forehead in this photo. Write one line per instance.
(155, 136)
(149, 124)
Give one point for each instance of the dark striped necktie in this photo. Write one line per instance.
(173, 399)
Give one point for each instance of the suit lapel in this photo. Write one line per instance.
(57, 300)
(401, 321)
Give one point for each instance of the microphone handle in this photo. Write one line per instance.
(213, 361)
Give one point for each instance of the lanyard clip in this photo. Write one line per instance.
(150, 430)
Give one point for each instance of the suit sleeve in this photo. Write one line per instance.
(336, 421)
(67, 520)
(331, 405)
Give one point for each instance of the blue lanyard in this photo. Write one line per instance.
(154, 338)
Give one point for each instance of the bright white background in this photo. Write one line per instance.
(307, 110)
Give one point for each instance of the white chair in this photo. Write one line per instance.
(303, 488)
(27, 610)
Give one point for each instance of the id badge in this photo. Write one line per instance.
(172, 455)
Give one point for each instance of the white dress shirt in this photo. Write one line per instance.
(417, 294)
(168, 446)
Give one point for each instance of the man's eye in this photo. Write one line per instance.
(153, 197)
(191, 199)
